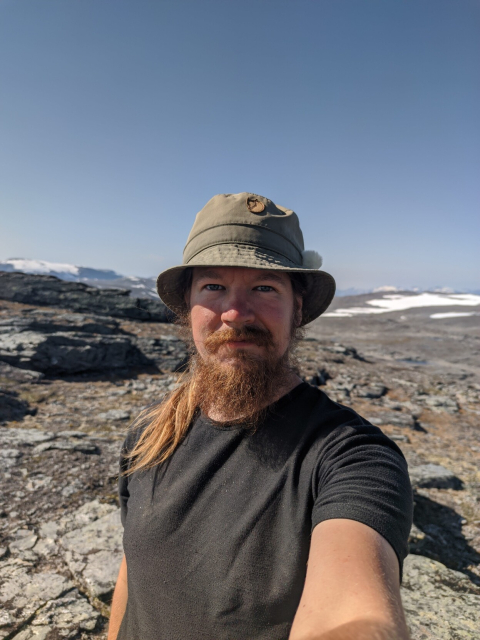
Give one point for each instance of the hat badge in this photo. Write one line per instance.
(255, 205)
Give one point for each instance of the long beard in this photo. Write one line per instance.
(240, 389)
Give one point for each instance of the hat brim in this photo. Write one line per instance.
(320, 284)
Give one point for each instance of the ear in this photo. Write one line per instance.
(298, 306)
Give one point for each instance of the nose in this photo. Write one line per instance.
(237, 310)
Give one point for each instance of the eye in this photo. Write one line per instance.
(264, 287)
(213, 287)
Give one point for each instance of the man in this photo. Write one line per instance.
(254, 507)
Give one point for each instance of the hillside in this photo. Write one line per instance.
(71, 380)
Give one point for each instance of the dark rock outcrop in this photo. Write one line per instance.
(12, 407)
(57, 343)
(48, 291)
(434, 476)
(69, 353)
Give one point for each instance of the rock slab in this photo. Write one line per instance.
(440, 604)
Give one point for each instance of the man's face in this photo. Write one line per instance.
(237, 311)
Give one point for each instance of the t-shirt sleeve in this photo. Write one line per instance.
(362, 475)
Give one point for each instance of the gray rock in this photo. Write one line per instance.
(19, 375)
(67, 445)
(441, 403)
(433, 476)
(371, 391)
(68, 615)
(49, 530)
(440, 604)
(399, 437)
(34, 633)
(23, 592)
(114, 414)
(37, 481)
(340, 349)
(6, 619)
(92, 511)
(46, 547)
(49, 291)
(94, 553)
(12, 407)
(68, 353)
(54, 322)
(72, 488)
(393, 418)
(71, 434)
(24, 539)
(167, 352)
(9, 457)
(30, 437)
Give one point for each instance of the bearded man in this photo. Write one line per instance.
(254, 507)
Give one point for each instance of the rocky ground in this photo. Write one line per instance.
(71, 381)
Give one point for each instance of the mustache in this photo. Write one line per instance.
(253, 334)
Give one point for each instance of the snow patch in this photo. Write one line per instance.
(454, 314)
(40, 266)
(395, 302)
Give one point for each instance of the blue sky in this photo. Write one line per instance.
(119, 120)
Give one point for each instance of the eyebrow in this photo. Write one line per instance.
(268, 275)
(208, 273)
(272, 276)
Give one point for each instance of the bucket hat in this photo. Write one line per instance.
(248, 230)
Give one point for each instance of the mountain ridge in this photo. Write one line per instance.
(145, 287)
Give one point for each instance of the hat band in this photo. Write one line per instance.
(237, 245)
(244, 234)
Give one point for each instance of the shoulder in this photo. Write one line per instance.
(330, 421)
(339, 439)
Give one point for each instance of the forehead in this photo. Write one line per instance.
(240, 274)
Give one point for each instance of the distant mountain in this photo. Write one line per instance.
(63, 271)
(102, 278)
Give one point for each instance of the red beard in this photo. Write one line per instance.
(241, 391)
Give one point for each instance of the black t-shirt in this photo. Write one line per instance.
(217, 537)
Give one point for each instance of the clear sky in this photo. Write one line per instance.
(120, 119)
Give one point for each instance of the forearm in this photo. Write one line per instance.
(119, 603)
(363, 630)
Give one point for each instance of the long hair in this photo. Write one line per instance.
(163, 426)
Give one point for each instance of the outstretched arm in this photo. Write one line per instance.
(119, 602)
(352, 587)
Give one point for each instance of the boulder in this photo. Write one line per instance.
(433, 476)
(114, 414)
(441, 403)
(12, 407)
(370, 391)
(393, 418)
(18, 375)
(69, 353)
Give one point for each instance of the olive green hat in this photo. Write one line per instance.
(246, 230)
